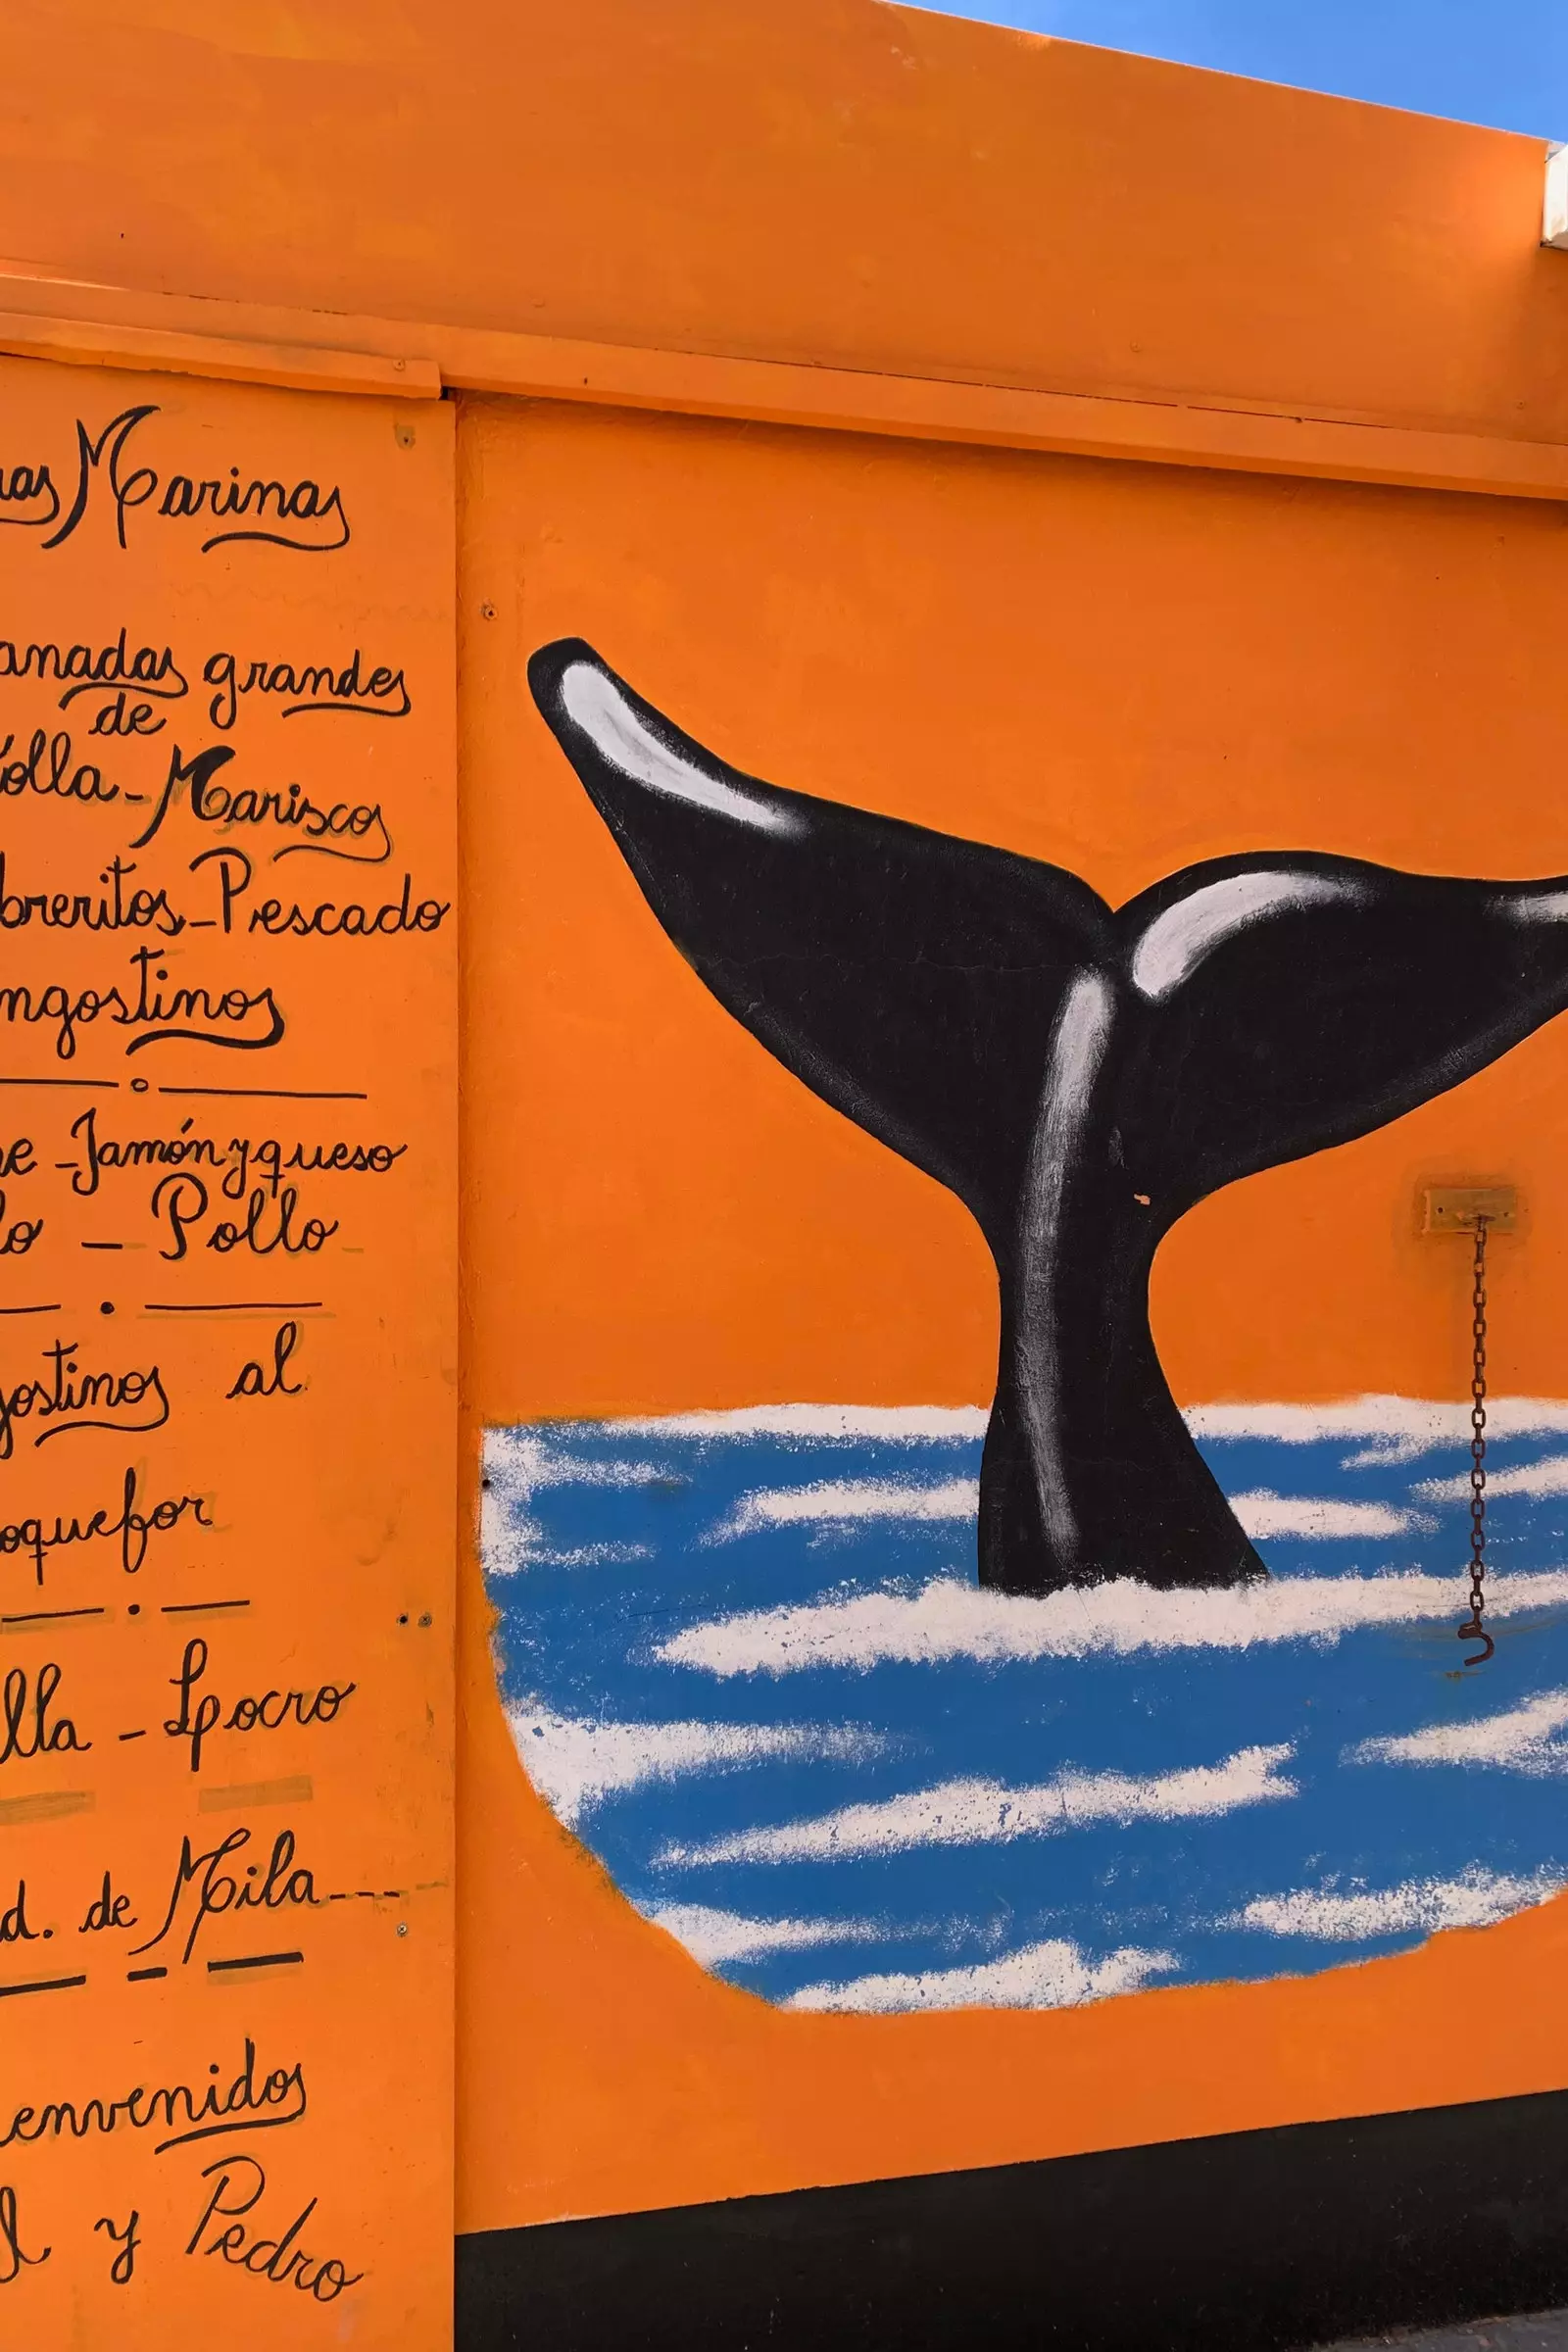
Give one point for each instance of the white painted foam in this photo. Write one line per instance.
(509, 1540)
(1522, 1739)
(574, 1555)
(1041, 1976)
(518, 1464)
(1177, 941)
(1549, 1477)
(907, 1423)
(975, 1812)
(843, 1502)
(521, 1461)
(948, 1618)
(1472, 1900)
(1388, 1429)
(620, 736)
(1391, 1429)
(576, 1763)
(716, 1936)
(1264, 1513)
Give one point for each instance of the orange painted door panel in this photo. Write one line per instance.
(1122, 672)
(228, 1278)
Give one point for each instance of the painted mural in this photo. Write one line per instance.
(1028, 1706)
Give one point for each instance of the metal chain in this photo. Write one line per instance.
(1472, 1627)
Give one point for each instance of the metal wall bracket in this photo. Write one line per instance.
(1459, 1207)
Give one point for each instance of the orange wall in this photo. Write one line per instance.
(1122, 668)
(1118, 669)
(833, 179)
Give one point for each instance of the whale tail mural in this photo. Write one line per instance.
(1079, 1075)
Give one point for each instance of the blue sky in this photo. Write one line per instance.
(1501, 62)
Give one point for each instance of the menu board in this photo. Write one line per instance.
(227, 1363)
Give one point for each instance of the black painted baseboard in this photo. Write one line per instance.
(1250, 2242)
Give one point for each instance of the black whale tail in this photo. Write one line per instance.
(1078, 1076)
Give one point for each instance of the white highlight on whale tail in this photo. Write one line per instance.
(1077, 1048)
(986, 1813)
(619, 735)
(1054, 1974)
(1177, 941)
(1535, 907)
(1522, 1739)
(1474, 1900)
(575, 1763)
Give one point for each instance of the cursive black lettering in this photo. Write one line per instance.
(304, 687)
(271, 1225)
(270, 1222)
(241, 2186)
(107, 1910)
(32, 487)
(123, 716)
(49, 770)
(14, 1927)
(123, 2267)
(304, 515)
(192, 1724)
(241, 2106)
(353, 830)
(98, 1153)
(330, 919)
(219, 1891)
(299, 501)
(72, 1400)
(18, 1238)
(114, 907)
(106, 669)
(253, 1380)
(194, 1013)
(13, 2260)
(195, 774)
(270, 1711)
(265, 1160)
(27, 1727)
(128, 489)
(132, 1526)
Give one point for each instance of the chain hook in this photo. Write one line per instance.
(1472, 1627)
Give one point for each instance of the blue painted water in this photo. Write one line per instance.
(745, 1660)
